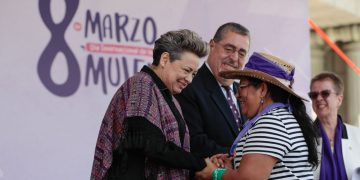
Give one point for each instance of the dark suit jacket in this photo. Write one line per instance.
(209, 118)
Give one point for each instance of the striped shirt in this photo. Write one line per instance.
(278, 134)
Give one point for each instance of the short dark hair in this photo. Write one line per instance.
(336, 79)
(177, 42)
(232, 27)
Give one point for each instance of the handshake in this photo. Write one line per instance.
(215, 167)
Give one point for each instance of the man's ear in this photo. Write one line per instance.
(164, 59)
(212, 43)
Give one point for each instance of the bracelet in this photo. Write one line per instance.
(218, 173)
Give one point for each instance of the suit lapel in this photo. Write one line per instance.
(222, 104)
(346, 150)
(217, 97)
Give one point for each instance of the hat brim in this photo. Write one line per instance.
(258, 75)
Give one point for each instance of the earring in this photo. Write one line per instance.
(261, 100)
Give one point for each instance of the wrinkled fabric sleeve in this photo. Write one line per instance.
(141, 134)
(108, 140)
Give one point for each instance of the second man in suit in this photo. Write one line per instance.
(209, 105)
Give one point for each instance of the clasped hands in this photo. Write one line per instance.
(216, 161)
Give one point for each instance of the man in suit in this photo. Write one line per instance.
(212, 122)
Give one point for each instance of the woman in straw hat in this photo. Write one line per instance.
(278, 141)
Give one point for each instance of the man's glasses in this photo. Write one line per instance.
(230, 49)
(324, 94)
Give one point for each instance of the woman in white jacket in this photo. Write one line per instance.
(339, 143)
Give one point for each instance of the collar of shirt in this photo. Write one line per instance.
(159, 83)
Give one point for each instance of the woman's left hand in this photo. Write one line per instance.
(222, 161)
(206, 173)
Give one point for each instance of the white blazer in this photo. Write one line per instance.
(350, 148)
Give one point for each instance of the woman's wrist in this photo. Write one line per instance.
(218, 173)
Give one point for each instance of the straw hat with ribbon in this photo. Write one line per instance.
(268, 68)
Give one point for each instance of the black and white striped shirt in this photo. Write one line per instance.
(278, 134)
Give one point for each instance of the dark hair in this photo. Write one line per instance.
(177, 42)
(232, 27)
(299, 111)
(338, 82)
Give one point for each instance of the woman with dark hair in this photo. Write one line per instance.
(278, 140)
(143, 134)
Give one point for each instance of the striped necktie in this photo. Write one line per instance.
(232, 105)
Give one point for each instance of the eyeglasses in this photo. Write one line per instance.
(243, 86)
(324, 94)
(230, 49)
